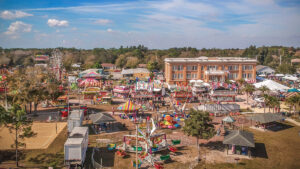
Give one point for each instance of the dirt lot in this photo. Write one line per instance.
(45, 134)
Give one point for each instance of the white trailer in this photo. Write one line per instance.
(76, 146)
(75, 119)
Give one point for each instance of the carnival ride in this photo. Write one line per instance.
(168, 122)
(148, 144)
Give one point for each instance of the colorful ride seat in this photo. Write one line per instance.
(111, 146)
(139, 148)
(165, 157)
(176, 142)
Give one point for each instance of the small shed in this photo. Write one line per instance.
(239, 142)
(99, 118)
(266, 120)
(102, 122)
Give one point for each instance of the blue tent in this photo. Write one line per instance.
(293, 90)
(260, 78)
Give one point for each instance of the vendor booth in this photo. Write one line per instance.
(121, 91)
(90, 92)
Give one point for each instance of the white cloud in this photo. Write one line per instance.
(13, 15)
(57, 23)
(17, 27)
(109, 30)
(103, 21)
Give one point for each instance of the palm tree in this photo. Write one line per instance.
(264, 89)
(199, 125)
(241, 83)
(271, 102)
(293, 102)
(248, 89)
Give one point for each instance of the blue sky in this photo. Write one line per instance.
(153, 23)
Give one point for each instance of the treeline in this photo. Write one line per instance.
(130, 57)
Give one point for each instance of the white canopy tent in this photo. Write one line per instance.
(279, 75)
(272, 85)
(291, 78)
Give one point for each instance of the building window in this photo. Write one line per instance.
(194, 67)
(188, 76)
(174, 67)
(180, 76)
(194, 76)
(212, 67)
(233, 67)
(223, 67)
(232, 76)
(235, 75)
(247, 67)
(189, 68)
(244, 75)
(201, 76)
(180, 67)
(250, 76)
(202, 67)
(174, 76)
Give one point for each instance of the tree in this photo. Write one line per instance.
(17, 122)
(248, 89)
(121, 61)
(271, 102)
(199, 125)
(286, 69)
(132, 62)
(3, 115)
(293, 102)
(97, 65)
(68, 65)
(152, 66)
(264, 89)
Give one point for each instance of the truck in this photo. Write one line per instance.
(76, 146)
(75, 119)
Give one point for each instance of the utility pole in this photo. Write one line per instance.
(136, 147)
(280, 60)
(5, 88)
(279, 51)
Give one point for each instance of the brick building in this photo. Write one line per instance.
(180, 70)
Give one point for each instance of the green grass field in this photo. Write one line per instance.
(276, 150)
(282, 151)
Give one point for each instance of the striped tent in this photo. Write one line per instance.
(128, 106)
(290, 94)
(89, 82)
